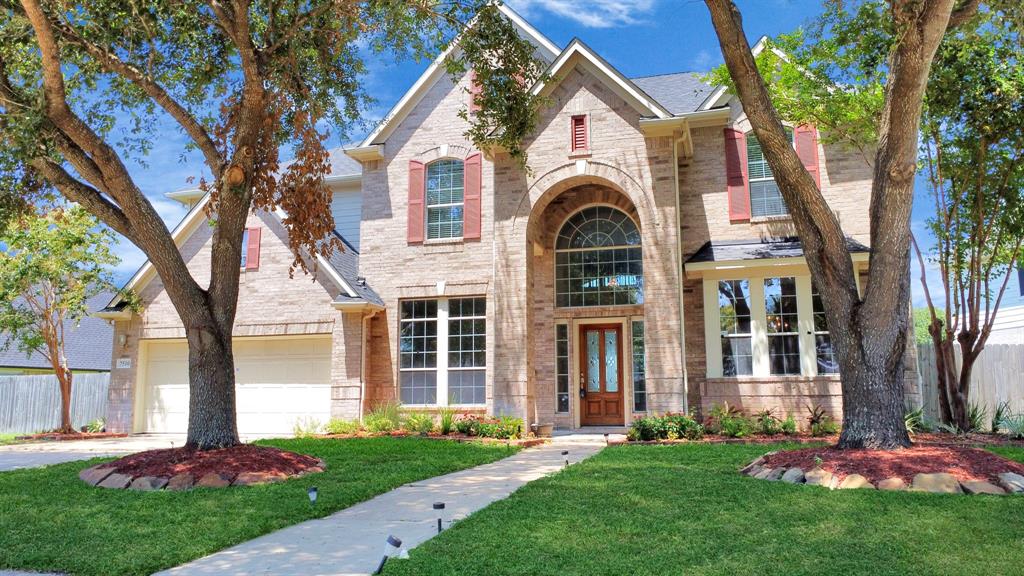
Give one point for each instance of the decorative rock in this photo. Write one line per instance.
(749, 467)
(892, 484)
(793, 476)
(213, 480)
(981, 487)
(250, 478)
(818, 477)
(1014, 483)
(834, 483)
(854, 481)
(754, 471)
(148, 483)
(180, 482)
(116, 480)
(313, 470)
(938, 483)
(776, 474)
(94, 474)
(764, 473)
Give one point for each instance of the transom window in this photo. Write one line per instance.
(445, 182)
(765, 197)
(598, 259)
(442, 351)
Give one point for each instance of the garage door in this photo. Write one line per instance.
(278, 381)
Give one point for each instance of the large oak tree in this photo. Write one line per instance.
(870, 332)
(83, 84)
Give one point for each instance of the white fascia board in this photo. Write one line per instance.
(697, 269)
(185, 196)
(624, 87)
(430, 76)
(343, 179)
(357, 306)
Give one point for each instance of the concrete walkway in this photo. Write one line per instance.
(351, 541)
(32, 454)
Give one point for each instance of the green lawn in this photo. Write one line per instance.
(51, 521)
(7, 439)
(684, 509)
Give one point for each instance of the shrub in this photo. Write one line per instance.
(915, 422)
(1001, 412)
(682, 426)
(713, 422)
(385, 417)
(975, 417)
(1014, 425)
(419, 423)
(646, 429)
(96, 426)
(468, 425)
(820, 422)
(446, 420)
(341, 426)
(510, 428)
(789, 425)
(306, 427)
(735, 426)
(766, 422)
(505, 427)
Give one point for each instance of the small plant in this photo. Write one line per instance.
(736, 426)
(766, 422)
(818, 461)
(446, 420)
(384, 418)
(341, 426)
(1014, 425)
(96, 426)
(915, 422)
(306, 427)
(820, 422)
(789, 426)
(668, 427)
(468, 425)
(1001, 412)
(713, 422)
(419, 423)
(975, 417)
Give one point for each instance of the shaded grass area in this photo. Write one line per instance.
(51, 521)
(7, 439)
(684, 509)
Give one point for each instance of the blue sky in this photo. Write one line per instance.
(639, 37)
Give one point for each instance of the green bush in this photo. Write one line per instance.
(341, 426)
(1014, 425)
(1001, 412)
(446, 420)
(915, 422)
(506, 427)
(719, 412)
(419, 423)
(789, 425)
(820, 422)
(468, 425)
(96, 426)
(306, 427)
(385, 417)
(736, 426)
(667, 427)
(766, 423)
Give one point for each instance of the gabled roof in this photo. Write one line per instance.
(547, 49)
(88, 346)
(679, 93)
(721, 95)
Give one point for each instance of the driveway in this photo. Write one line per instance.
(45, 453)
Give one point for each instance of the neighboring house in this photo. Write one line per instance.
(1008, 327)
(645, 264)
(87, 347)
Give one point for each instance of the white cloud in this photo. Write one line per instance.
(589, 13)
(702, 60)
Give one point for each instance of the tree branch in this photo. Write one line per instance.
(962, 13)
(86, 195)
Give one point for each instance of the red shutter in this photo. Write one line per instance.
(736, 174)
(475, 89)
(579, 133)
(471, 183)
(416, 192)
(807, 150)
(252, 250)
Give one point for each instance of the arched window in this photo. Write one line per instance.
(445, 198)
(598, 259)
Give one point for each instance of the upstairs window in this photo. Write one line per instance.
(445, 199)
(765, 197)
(579, 133)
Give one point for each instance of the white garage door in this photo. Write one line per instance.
(278, 381)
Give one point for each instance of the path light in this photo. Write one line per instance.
(312, 493)
(565, 453)
(606, 439)
(391, 545)
(439, 506)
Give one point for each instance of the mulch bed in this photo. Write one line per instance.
(963, 463)
(63, 437)
(229, 462)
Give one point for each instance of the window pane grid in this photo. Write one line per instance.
(639, 368)
(734, 317)
(562, 368)
(464, 364)
(444, 199)
(765, 196)
(780, 302)
(824, 352)
(598, 259)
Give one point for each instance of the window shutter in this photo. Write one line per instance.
(736, 175)
(252, 250)
(416, 193)
(475, 89)
(579, 133)
(807, 150)
(471, 197)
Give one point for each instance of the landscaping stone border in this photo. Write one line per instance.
(103, 476)
(936, 482)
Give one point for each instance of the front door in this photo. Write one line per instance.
(601, 375)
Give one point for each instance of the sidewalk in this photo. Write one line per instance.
(351, 541)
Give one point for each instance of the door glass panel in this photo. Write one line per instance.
(593, 361)
(611, 361)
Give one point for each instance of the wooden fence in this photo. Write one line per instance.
(32, 403)
(998, 377)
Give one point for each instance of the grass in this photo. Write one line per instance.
(684, 509)
(51, 521)
(6, 439)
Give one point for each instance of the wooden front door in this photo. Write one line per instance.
(601, 375)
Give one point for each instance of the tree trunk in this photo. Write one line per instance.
(64, 377)
(943, 357)
(211, 410)
(873, 402)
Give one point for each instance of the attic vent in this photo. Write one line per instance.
(579, 133)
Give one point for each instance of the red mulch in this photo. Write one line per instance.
(876, 465)
(228, 461)
(61, 437)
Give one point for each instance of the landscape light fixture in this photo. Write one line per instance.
(439, 506)
(606, 439)
(391, 546)
(565, 453)
(312, 493)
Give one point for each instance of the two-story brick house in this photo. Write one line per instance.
(645, 263)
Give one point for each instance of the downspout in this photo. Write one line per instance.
(679, 270)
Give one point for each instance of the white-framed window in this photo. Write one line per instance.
(562, 364)
(598, 259)
(639, 366)
(442, 351)
(765, 197)
(734, 320)
(782, 320)
(824, 352)
(444, 201)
